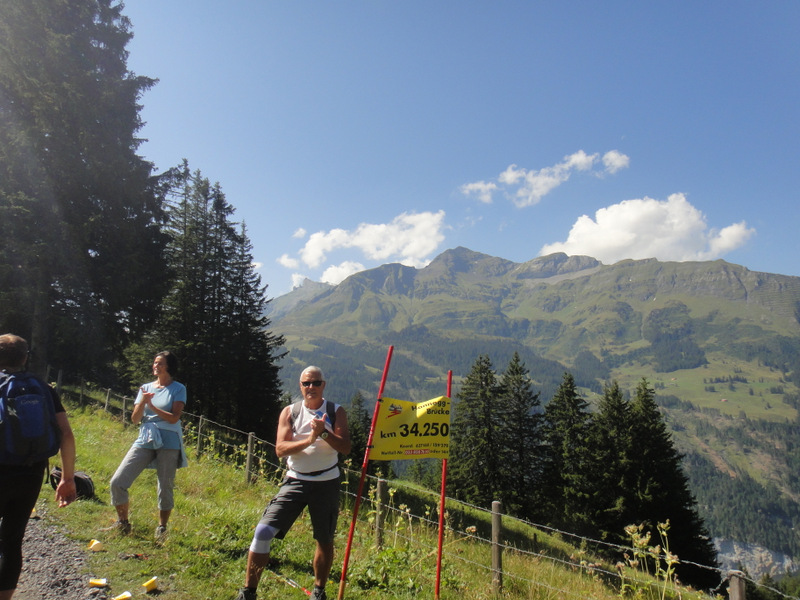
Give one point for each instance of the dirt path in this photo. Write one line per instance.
(53, 566)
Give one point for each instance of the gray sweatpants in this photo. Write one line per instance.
(135, 461)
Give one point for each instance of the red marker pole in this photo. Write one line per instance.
(343, 581)
(441, 504)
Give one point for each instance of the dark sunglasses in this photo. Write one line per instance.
(315, 383)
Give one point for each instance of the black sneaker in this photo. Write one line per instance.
(245, 594)
(319, 594)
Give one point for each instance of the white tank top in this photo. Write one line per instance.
(318, 456)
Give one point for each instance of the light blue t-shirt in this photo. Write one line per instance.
(164, 398)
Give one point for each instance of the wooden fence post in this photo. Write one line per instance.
(736, 585)
(497, 549)
(124, 409)
(108, 396)
(83, 382)
(58, 384)
(200, 436)
(380, 506)
(248, 464)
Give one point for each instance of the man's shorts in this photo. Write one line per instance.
(322, 499)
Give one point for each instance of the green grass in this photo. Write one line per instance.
(216, 511)
(691, 386)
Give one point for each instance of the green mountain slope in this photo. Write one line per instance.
(720, 343)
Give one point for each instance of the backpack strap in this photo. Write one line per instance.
(330, 410)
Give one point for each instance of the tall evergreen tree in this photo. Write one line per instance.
(475, 464)
(359, 422)
(255, 350)
(83, 271)
(213, 316)
(567, 477)
(612, 445)
(661, 491)
(519, 440)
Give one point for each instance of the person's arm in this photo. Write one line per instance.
(65, 491)
(142, 400)
(284, 444)
(171, 416)
(339, 439)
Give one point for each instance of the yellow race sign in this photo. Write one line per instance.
(408, 430)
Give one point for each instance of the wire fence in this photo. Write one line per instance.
(413, 509)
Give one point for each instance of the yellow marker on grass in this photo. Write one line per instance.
(150, 585)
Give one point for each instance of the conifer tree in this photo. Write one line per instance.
(359, 422)
(213, 316)
(520, 444)
(567, 477)
(612, 445)
(661, 491)
(82, 273)
(475, 464)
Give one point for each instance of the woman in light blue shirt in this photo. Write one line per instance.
(158, 410)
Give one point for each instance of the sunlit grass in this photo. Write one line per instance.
(215, 513)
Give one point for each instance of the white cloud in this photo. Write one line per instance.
(287, 261)
(297, 280)
(320, 243)
(300, 233)
(648, 228)
(528, 187)
(409, 239)
(580, 161)
(337, 273)
(481, 189)
(615, 161)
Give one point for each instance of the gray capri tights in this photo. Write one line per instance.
(135, 461)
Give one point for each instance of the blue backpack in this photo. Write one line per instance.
(29, 432)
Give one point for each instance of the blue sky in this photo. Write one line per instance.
(353, 134)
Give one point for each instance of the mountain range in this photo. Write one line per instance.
(720, 344)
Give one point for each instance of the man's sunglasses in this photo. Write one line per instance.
(315, 383)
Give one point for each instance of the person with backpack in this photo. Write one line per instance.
(312, 433)
(33, 427)
(158, 409)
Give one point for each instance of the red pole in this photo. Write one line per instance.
(342, 582)
(441, 503)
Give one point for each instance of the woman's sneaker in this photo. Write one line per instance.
(122, 527)
(161, 534)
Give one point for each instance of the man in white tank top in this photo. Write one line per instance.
(311, 445)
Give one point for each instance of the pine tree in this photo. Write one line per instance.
(255, 350)
(613, 448)
(567, 476)
(359, 422)
(520, 443)
(475, 465)
(661, 491)
(83, 272)
(213, 316)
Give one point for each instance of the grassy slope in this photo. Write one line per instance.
(216, 511)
